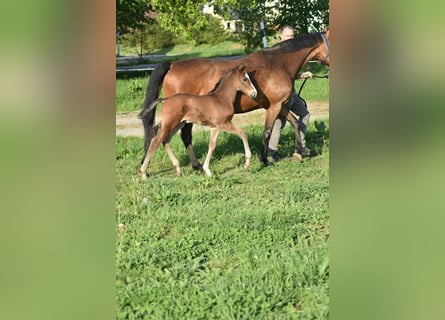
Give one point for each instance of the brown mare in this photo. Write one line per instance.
(272, 71)
(214, 110)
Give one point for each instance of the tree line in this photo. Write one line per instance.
(185, 19)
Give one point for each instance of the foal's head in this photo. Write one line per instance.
(242, 81)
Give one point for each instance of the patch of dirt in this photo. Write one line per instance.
(129, 125)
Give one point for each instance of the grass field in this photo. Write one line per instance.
(183, 51)
(226, 48)
(242, 244)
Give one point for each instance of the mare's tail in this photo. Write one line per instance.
(148, 112)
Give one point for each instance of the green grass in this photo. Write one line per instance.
(314, 89)
(184, 51)
(130, 93)
(225, 48)
(242, 244)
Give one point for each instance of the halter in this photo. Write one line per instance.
(327, 47)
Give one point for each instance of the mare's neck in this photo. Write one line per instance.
(297, 59)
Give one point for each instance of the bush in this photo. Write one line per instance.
(150, 36)
(158, 38)
(213, 33)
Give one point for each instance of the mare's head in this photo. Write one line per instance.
(318, 42)
(242, 81)
(322, 51)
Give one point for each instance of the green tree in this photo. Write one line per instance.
(251, 13)
(185, 19)
(212, 33)
(148, 37)
(304, 15)
(182, 18)
(130, 14)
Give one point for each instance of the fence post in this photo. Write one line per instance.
(118, 44)
(264, 34)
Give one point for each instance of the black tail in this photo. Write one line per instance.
(148, 114)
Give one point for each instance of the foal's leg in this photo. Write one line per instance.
(173, 159)
(154, 144)
(230, 127)
(170, 153)
(212, 145)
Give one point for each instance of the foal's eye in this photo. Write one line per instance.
(244, 79)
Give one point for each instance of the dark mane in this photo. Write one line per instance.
(296, 43)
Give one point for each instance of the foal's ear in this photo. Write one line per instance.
(242, 67)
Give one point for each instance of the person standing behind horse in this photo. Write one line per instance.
(298, 107)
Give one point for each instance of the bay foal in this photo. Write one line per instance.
(214, 110)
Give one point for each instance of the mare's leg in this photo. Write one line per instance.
(230, 127)
(186, 136)
(212, 145)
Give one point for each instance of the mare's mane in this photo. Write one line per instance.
(297, 43)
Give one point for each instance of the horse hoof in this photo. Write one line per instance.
(143, 175)
(269, 164)
(247, 162)
(297, 156)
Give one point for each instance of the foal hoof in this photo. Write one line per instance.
(207, 171)
(143, 175)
